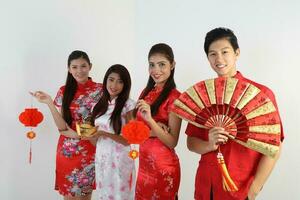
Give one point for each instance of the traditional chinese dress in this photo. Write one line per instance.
(75, 167)
(115, 171)
(240, 161)
(159, 169)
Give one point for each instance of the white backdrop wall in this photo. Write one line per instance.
(36, 38)
(268, 33)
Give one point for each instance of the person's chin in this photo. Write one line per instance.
(222, 73)
(81, 80)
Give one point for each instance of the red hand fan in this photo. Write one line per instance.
(238, 106)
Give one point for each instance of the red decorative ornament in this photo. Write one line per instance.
(242, 109)
(31, 117)
(31, 135)
(133, 154)
(135, 132)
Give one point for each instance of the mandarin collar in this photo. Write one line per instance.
(87, 84)
(113, 101)
(157, 88)
(238, 75)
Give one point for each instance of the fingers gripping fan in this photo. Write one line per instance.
(238, 106)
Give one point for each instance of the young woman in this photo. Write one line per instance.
(115, 170)
(75, 170)
(249, 169)
(159, 169)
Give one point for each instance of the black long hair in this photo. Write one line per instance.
(102, 105)
(71, 86)
(167, 52)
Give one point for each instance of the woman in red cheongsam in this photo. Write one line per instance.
(75, 169)
(159, 169)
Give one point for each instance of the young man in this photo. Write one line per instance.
(249, 169)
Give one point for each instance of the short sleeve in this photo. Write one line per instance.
(129, 105)
(173, 96)
(59, 96)
(281, 127)
(271, 95)
(194, 131)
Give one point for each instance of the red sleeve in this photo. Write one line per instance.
(271, 95)
(173, 96)
(194, 131)
(274, 102)
(59, 96)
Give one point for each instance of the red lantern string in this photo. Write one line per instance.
(30, 135)
(135, 132)
(31, 117)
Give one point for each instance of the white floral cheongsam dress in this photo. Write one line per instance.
(115, 170)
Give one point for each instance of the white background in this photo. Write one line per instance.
(37, 37)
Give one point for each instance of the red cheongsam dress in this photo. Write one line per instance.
(159, 170)
(241, 162)
(75, 168)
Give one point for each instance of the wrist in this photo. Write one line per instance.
(212, 147)
(50, 104)
(254, 188)
(151, 122)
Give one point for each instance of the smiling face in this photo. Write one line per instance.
(80, 68)
(160, 69)
(114, 85)
(222, 57)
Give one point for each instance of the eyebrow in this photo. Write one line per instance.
(78, 65)
(114, 78)
(158, 62)
(221, 49)
(225, 48)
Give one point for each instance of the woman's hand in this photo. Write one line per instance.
(93, 138)
(144, 109)
(42, 97)
(217, 136)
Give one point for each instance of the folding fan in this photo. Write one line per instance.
(239, 107)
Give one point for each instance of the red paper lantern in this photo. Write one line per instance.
(31, 117)
(135, 132)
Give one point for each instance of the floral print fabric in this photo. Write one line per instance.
(75, 168)
(115, 171)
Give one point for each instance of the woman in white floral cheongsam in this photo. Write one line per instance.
(115, 171)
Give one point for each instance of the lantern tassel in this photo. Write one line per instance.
(30, 152)
(228, 183)
(130, 181)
